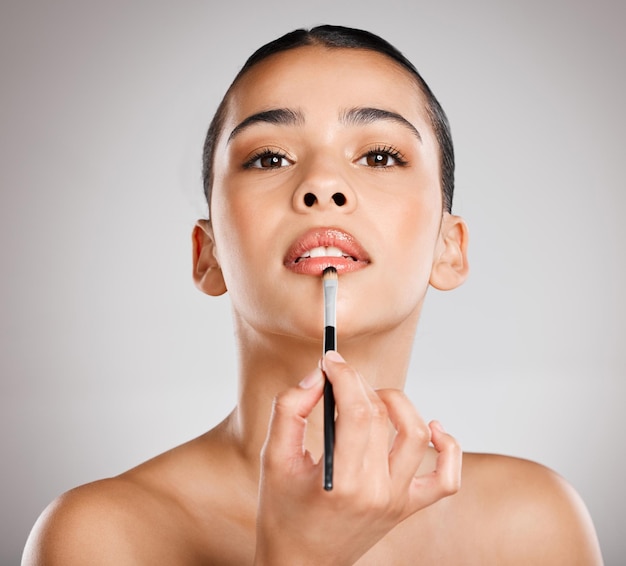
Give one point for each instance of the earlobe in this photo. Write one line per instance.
(207, 273)
(450, 267)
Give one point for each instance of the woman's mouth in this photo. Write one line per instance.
(320, 248)
(324, 251)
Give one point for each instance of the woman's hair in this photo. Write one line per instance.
(338, 37)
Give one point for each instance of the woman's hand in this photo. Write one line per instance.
(375, 486)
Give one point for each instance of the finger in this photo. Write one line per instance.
(284, 446)
(411, 440)
(449, 459)
(445, 480)
(355, 412)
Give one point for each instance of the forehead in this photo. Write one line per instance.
(316, 77)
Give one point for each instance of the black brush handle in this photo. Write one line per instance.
(329, 415)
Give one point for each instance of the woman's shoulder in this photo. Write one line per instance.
(145, 515)
(502, 480)
(526, 511)
(99, 517)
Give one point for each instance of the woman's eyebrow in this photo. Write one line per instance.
(279, 116)
(367, 115)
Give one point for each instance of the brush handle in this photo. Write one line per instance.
(329, 414)
(329, 434)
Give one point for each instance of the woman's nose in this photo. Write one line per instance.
(310, 199)
(324, 186)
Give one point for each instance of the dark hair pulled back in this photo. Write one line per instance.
(339, 37)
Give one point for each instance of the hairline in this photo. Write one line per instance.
(429, 101)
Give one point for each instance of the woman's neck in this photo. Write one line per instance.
(268, 364)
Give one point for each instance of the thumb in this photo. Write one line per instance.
(285, 437)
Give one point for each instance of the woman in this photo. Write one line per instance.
(328, 149)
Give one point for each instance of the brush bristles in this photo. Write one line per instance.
(329, 273)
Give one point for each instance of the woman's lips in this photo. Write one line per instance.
(320, 248)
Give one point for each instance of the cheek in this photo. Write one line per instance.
(233, 234)
(411, 249)
(244, 229)
(412, 276)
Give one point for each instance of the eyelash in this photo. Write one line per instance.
(266, 152)
(386, 150)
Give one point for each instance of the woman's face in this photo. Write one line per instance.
(327, 157)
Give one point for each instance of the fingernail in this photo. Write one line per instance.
(312, 379)
(437, 425)
(334, 356)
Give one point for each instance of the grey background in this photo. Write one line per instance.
(107, 351)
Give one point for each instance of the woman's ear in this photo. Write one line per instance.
(207, 273)
(450, 267)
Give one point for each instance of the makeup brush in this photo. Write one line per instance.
(329, 278)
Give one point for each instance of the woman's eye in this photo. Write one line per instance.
(268, 161)
(381, 159)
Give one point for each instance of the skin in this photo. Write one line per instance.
(249, 492)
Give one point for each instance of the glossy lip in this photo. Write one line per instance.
(326, 237)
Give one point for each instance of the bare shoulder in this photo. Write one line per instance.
(535, 516)
(155, 513)
(111, 521)
(90, 517)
